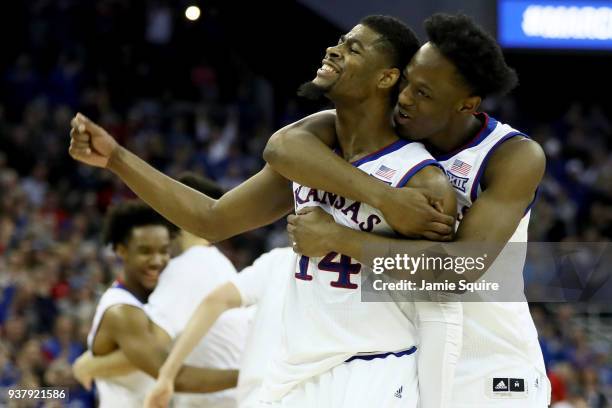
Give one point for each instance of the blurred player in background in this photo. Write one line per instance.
(262, 284)
(141, 239)
(188, 279)
(495, 170)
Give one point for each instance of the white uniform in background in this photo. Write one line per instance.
(337, 350)
(188, 279)
(501, 363)
(262, 284)
(126, 390)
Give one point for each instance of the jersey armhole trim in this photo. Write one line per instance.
(415, 169)
(483, 165)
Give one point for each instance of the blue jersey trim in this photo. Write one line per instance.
(119, 285)
(483, 165)
(398, 144)
(535, 197)
(369, 357)
(489, 126)
(427, 162)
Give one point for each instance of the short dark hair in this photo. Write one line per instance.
(123, 217)
(398, 39)
(202, 184)
(476, 55)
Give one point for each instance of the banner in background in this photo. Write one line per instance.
(555, 24)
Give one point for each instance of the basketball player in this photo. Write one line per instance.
(360, 79)
(262, 284)
(495, 171)
(141, 239)
(189, 278)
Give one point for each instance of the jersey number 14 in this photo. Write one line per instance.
(344, 268)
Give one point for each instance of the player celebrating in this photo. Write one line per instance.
(141, 239)
(495, 171)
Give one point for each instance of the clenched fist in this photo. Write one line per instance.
(89, 143)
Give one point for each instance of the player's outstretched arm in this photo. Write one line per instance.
(260, 200)
(305, 144)
(130, 328)
(223, 298)
(87, 367)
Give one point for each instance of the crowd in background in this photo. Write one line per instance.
(53, 267)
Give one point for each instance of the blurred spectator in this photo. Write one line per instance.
(62, 345)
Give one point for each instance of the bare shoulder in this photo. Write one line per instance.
(431, 178)
(122, 318)
(519, 158)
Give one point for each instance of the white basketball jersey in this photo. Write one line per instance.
(182, 285)
(324, 321)
(496, 335)
(262, 284)
(126, 390)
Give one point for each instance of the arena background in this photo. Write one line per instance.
(205, 95)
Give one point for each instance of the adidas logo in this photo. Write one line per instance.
(398, 393)
(501, 385)
(509, 385)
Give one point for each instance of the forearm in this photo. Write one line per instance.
(110, 365)
(194, 379)
(439, 350)
(201, 321)
(259, 201)
(290, 152)
(183, 206)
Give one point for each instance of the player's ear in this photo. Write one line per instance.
(469, 105)
(388, 78)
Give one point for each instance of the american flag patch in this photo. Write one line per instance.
(385, 172)
(461, 167)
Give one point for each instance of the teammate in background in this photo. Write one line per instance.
(361, 73)
(189, 278)
(495, 171)
(262, 284)
(141, 239)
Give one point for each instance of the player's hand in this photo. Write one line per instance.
(309, 231)
(160, 395)
(415, 213)
(80, 370)
(89, 143)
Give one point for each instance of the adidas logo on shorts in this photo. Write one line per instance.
(499, 384)
(508, 385)
(398, 393)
